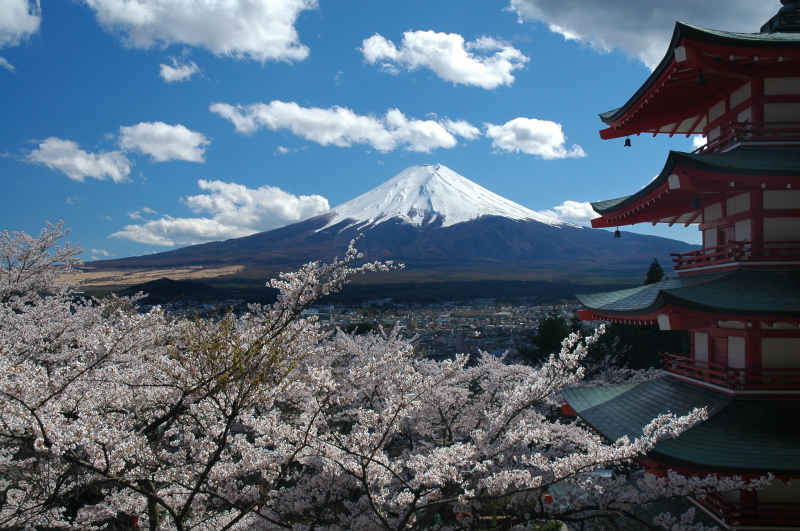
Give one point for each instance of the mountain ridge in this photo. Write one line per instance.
(440, 224)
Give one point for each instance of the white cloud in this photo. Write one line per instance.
(65, 156)
(164, 142)
(178, 71)
(462, 128)
(342, 127)
(99, 254)
(698, 141)
(572, 212)
(19, 19)
(535, 137)
(485, 62)
(262, 30)
(641, 29)
(137, 214)
(235, 211)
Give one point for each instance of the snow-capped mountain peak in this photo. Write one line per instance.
(421, 195)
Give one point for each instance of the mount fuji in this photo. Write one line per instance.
(429, 195)
(441, 225)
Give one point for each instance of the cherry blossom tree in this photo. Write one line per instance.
(111, 418)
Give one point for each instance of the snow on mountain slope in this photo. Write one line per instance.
(421, 195)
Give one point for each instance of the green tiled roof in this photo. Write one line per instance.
(619, 410)
(732, 38)
(724, 38)
(762, 292)
(741, 434)
(647, 512)
(741, 161)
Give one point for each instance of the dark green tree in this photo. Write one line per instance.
(360, 328)
(639, 346)
(546, 339)
(655, 273)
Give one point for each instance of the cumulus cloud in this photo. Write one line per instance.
(641, 29)
(164, 142)
(234, 211)
(20, 19)
(67, 157)
(535, 137)
(178, 71)
(254, 29)
(461, 128)
(572, 212)
(161, 141)
(342, 127)
(485, 62)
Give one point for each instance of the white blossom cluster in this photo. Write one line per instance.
(110, 418)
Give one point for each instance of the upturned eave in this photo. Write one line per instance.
(669, 198)
(673, 101)
(753, 295)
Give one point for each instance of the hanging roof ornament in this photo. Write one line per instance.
(787, 20)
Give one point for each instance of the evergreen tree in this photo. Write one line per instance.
(655, 273)
(547, 338)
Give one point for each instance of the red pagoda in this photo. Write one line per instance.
(739, 296)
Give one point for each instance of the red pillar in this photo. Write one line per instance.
(748, 503)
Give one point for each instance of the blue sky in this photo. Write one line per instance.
(151, 124)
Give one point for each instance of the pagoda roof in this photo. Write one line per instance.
(741, 434)
(731, 172)
(671, 101)
(742, 292)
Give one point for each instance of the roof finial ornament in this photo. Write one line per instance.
(787, 20)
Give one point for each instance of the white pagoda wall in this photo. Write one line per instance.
(779, 492)
(780, 352)
(781, 229)
(781, 199)
(700, 346)
(781, 86)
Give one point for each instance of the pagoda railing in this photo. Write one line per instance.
(733, 252)
(760, 514)
(732, 133)
(733, 378)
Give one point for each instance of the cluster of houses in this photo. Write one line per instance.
(443, 330)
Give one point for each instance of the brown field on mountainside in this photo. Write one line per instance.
(120, 278)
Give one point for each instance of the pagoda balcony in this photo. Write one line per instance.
(739, 253)
(752, 516)
(738, 379)
(772, 134)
